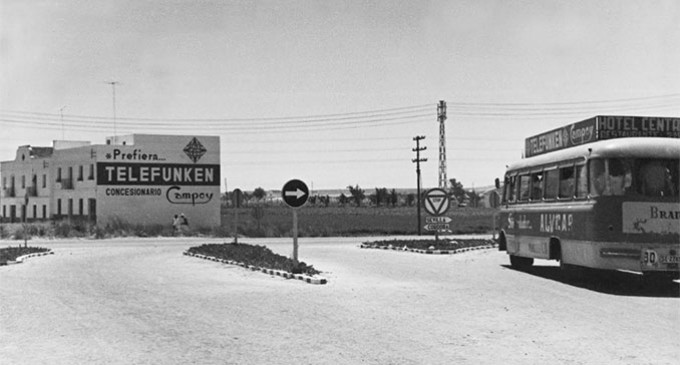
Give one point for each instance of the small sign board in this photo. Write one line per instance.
(438, 227)
(295, 193)
(434, 220)
(436, 201)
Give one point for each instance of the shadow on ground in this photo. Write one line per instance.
(607, 282)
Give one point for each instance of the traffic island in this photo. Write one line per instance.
(432, 247)
(257, 258)
(17, 255)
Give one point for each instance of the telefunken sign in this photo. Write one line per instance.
(157, 174)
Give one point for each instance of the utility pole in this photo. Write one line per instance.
(418, 160)
(441, 116)
(113, 86)
(61, 112)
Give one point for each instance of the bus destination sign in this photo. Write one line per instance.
(600, 128)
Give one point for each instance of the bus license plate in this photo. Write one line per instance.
(668, 259)
(650, 258)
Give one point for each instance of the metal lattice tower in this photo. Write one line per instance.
(441, 116)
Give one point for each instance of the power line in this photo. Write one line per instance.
(469, 108)
(663, 96)
(245, 121)
(243, 130)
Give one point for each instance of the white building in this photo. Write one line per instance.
(136, 179)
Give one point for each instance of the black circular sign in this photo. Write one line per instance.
(295, 193)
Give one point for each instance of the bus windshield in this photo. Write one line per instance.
(635, 176)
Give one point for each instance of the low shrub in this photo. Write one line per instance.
(259, 256)
(432, 244)
(11, 253)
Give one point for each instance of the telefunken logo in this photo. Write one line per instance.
(195, 150)
(175, 195)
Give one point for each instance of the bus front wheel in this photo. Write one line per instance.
(521, 263)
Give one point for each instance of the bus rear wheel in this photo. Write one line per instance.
(521, 263)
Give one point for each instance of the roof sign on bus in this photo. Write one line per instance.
(600, 128)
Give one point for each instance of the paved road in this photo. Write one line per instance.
(140, 301)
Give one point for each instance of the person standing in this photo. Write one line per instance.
(183, 223)
(175, 224)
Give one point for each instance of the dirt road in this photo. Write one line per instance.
(140, 301)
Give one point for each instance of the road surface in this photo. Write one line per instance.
(140, 301)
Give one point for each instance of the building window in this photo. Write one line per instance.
(59, 174)
(44, 181)
(58, 207)
(80, 206)
(80, 173)
(35, 211)
(44, 211)
(91, 175)
(23, 181)
(4, 211)
(70, 207)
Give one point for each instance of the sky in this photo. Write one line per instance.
(333, 92)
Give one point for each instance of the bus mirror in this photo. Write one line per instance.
(498, 183)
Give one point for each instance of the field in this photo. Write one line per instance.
(274, 221)
(277, 221)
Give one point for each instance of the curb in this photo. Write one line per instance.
(287, 275)
(21, 259)
(429, 252)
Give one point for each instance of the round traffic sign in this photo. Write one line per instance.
(436, 201)
(295, 193)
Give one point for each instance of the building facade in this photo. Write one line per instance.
(135, 179)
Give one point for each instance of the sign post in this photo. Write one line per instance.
(237, 204)
(24, 214)
(437, 203)
(295, 193)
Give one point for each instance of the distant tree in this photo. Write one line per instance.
(457, 190)
(474, 198)
(357, 194)
(312, 199)
(410, 198)
(259, 193)
(373, 198)
(381, 196)
(245, 199)
(327, 201)
(393, 198)
(258, 214)
(342, 199)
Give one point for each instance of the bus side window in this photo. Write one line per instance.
(551, 183)
(597, 177)
(581, 181)
(523, 188)
(620, 177)
(509, 189)
(537, 185)
(656, 179)
(567, 185)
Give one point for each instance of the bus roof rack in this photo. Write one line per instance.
(599, 128)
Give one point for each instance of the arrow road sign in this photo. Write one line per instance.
(436, 201)
(295, 193)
